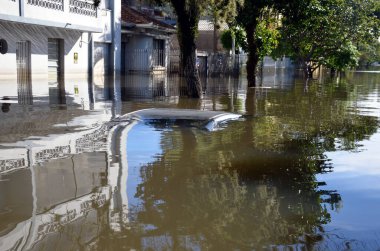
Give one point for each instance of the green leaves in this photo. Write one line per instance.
(327, 32)
(267, 36)
(238, 34)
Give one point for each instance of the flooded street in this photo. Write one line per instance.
(299, 170)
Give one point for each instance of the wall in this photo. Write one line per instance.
(105, 16)
(283, 62)
(77, 16)
(74, 42)
(116, 33)
(9, 7)
(205, 41)
(84, 17)
(138, 55)
(101, 53)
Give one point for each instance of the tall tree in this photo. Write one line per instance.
(188, 14)
(221, 12)
(259, 20)
(327, 32)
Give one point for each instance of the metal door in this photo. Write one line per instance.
(54, 60)
(57, 92)
(24, 80)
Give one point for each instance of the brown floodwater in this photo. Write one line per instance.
(300, 170)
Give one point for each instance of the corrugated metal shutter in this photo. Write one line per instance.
(24, 80)
(54, 64)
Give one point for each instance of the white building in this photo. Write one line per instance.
(45, 43)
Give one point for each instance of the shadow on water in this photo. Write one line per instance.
(102, 185)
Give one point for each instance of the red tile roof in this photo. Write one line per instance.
(130, 15)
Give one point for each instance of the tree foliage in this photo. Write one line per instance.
(236, 33)
(312, 32)
(327, 32)
(255, 17)
(369, 53)
(222, 10)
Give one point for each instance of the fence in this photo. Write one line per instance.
(212, 64)
(145, 60)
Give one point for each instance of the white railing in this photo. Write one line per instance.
(49, 4)
(82, 8)
(64, 13)
(72, 6)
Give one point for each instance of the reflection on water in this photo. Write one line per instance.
(57, 94)
(278, 179)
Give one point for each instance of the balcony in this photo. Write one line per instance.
(68, 14)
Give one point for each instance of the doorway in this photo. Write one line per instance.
(24, 79)
(57, 93)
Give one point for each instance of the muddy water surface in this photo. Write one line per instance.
(299, 171)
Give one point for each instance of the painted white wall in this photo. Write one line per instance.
(74, 42)
(9, 7)
(107, 20)
(8, 88)
(116, 31)
(101, 63)
(105, 16)
(80, 46)
(48, 14)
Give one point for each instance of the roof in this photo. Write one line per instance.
(133, 16)
(211, 120)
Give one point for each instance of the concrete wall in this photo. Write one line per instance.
(37, 20)
(105, 16)
(9, 7)
(205, 41)
(102, 57)
(74, 42)
(52, 13)
(283, 62)
(116, 36)
(77, 91)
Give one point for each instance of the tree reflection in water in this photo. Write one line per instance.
(252, 185)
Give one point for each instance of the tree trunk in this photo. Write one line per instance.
(187, 26)
(215, 38)
(307, 69)
(190, 71)
(253, 55)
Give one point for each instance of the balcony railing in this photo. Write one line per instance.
(82, 8)
(49, 4)
(85, 8)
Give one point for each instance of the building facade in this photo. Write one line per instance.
(45, 43)
(145, 42)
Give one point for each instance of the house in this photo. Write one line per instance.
(208, 38)
(47, 43)
(145, 42)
